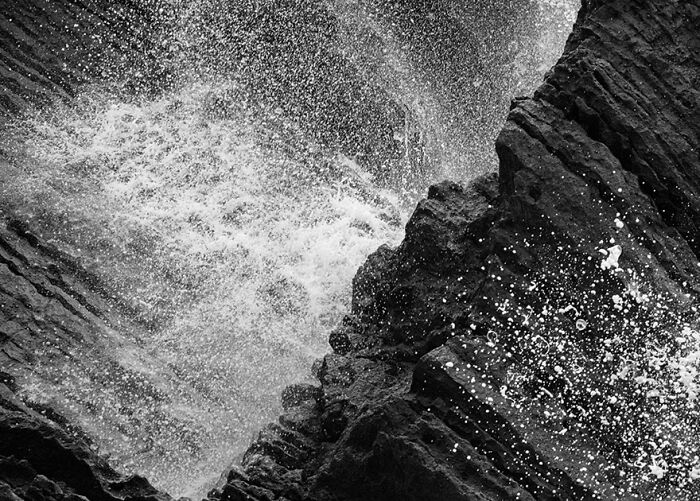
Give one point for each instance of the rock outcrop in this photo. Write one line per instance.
(44, 458)
(66, 336)
(51, 310)
(533, 336)
(53, 313)
(50, 48)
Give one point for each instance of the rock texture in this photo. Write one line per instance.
(53, 315)
(53, 312)
(524, 341)
(73, 346)
(512, 346)
(66, 336)
(42, 460)
(49, 48)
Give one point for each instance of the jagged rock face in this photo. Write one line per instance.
(392, 424)
(495, 354)
(54, 313)
(49, 48)
(617, 122)
(56, 318)
(42, 460)
(523, 341)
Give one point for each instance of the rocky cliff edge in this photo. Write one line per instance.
(534, 335)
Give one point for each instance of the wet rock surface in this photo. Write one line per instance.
(487, 357)
(54, 312)
(50, 48)
(478, 361)
(43, 458)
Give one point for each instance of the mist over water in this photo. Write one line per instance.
(234, 242)
(232, 232)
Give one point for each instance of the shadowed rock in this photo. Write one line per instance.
(50, 48)
(489, 355)
(40, 460)
(505, 349)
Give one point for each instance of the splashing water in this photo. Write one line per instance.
(232, 236)
(261, 235)
(622, 363)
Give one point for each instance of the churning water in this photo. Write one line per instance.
(259, 231)
(233, 235)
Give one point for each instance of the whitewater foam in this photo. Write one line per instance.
(235, 239)
(232, 237)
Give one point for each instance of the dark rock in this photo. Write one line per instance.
(53, 311)
(51, 48)
(295, 395)
(8, 380)
(337, 370)
(478, 362)
(41, 461)
(339, 339)
(495, 332)
(333, 419)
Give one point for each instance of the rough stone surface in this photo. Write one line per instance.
(51, 313)
(446, 381)
(49, 48)
(418, 402)
(43, 459)
(66, 340)
(59, 325)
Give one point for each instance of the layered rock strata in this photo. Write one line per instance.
(523, 341)
(519, 344)
(49, 48)
(59, 325)
(43, 458)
